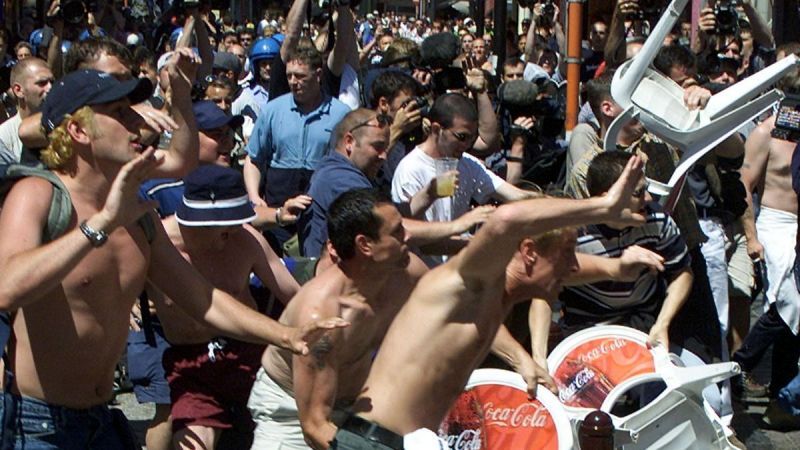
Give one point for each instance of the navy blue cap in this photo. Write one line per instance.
(210, 116)
(214, 196)
(89, 87)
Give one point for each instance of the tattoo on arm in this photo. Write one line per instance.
(319, 350)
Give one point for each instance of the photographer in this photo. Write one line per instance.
(721, 30)
(625, 35)
(397, 95)
(546, 37)
(530, 122)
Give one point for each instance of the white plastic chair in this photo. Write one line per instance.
(657, 101)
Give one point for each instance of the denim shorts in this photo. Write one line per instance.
(31, 424)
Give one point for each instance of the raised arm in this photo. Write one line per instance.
(181, 158)
(501, 234)
(294, 27)
(345, 40)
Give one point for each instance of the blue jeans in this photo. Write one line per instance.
(32, 424)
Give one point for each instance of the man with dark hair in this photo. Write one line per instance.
(296, 401)
(78, 289)
(700, 329)
(291, 135)
(395, 94)
(651, 301)
(454, 129)
(447, 326)
(31, 80)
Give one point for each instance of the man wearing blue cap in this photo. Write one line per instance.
(210, 377)
(70, 298)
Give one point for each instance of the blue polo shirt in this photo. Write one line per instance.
(334, 176)
(286, 138)
(289, 144)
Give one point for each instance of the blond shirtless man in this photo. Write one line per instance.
(71, 297)
(767, 169)
(446, 327)
(294, 399)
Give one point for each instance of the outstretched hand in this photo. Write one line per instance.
(635, 259)
(618, 198)
(302, 338)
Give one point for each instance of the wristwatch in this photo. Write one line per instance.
(96, 237)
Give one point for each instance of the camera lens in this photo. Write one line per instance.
(73, 12)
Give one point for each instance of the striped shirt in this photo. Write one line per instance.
(607, 300)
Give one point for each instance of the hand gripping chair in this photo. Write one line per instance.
(657, 102)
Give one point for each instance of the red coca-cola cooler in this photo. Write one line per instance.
(495, 413)
(589, 364)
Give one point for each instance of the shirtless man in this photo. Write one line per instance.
(767, 169)
(448, 324)
(210, 377)
(71, 297)
(293, 398)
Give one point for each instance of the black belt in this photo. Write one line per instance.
(373, 432)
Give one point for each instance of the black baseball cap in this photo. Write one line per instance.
(89, 87)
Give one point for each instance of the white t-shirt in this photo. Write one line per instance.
(417, 169)
(10, 144)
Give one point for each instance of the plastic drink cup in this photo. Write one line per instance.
(446, 177)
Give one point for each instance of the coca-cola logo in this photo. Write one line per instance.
(582, 378)
(605, 347)
(466, 440)
(531, 415)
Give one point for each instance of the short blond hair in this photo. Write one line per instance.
(59, 152)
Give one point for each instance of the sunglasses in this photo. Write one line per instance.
(383, 120)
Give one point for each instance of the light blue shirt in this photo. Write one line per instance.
(286, 138)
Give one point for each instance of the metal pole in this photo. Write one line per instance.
(574, 34)
(500, 32)
(480, 16)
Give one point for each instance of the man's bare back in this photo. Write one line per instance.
(771, 169)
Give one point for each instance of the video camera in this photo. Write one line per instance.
(73, 12)
(787, 121)
(415, 137)
(520, 98)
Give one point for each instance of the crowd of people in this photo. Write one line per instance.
(283, 183)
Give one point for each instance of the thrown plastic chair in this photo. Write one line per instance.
(596, 367)
(657, 102)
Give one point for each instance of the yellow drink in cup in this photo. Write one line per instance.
(446, 176)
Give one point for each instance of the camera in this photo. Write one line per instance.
(415, 137)
(787, 121)
(548, 9)
(727, 17)
(73, 12)
(649, 10)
